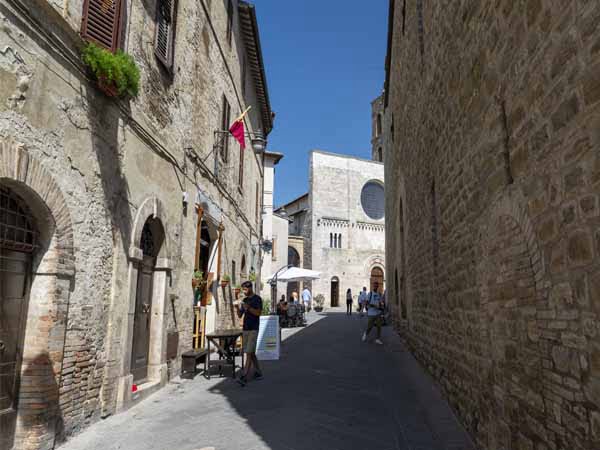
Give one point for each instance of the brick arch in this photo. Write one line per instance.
(47, 307)
(512, 203)
(510, 277)
(18, 167)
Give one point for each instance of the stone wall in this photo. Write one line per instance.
(115, 164)
(492, 212)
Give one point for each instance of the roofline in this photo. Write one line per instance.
(292, 201)
(380, 97)
(340, 155)
(260, 82)
(277, 156)
(283, 218)
(388, 54)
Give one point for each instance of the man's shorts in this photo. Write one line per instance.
(249, 338)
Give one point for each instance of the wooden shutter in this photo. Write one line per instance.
(225, 118)
(166, 12)
(101, 22)
(229, 21)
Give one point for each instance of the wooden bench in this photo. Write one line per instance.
(190, 361)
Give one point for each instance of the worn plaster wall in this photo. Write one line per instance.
(494, 156)
(111, 158)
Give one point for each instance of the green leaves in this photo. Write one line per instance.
(117, 68)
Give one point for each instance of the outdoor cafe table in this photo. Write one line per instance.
(224, 341)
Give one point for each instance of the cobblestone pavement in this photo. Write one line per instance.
(328, 391)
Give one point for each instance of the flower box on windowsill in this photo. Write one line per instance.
(116, 74)
(107, 87)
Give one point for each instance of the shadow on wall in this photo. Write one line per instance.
(40, 419)
(103, 116)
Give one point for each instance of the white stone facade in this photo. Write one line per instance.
(336, 183)
(275, 230)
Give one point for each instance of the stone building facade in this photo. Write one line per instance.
(98, 224)
(341, 225)
(492, 212)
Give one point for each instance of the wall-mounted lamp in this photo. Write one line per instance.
(258, 142)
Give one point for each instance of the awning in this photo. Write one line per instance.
(296, 274)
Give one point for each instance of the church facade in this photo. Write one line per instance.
(340, 225)
(347, 225)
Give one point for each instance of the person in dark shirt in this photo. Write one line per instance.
(250, 308)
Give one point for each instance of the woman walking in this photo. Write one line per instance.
(349, 302)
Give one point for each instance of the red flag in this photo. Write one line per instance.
(237, 131)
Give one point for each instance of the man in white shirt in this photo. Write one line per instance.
(306, 298)
(375, 308)
(362, 300)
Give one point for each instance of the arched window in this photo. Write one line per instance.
(335, 241)
(339, 241)
(380, 154)
(233, 277)
(330, 240)
(243, 265)
(378, 126)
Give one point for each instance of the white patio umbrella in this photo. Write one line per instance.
(296, 274)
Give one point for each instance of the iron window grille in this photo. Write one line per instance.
(17, 231)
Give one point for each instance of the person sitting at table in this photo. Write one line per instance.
(282, 305)
(250, 308)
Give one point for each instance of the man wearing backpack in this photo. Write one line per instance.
(375, 308)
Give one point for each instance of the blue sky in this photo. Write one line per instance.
(325, 64)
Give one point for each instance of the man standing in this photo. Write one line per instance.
(306, 298)
(362, 300)
(375, 308)
(250, 308)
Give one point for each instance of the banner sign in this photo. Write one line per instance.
(269, 343)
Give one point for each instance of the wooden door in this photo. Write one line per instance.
(14, 279)
(335, 292)
(141, 323)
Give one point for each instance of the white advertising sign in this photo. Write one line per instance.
(269, 343)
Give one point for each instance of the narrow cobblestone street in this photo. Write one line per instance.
(328, 391)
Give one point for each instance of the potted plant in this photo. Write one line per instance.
(116, 73)
(198, 279)
(236, 290)
(225, 279)
(252, 277)
(266, 307)
(319, 302)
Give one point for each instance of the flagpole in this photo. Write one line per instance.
(241, 117)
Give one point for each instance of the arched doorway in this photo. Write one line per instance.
(150, 244)
(18, 241)
(335, 292)
(377, 276)
(294, 260)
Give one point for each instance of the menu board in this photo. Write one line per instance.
(269, 343)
